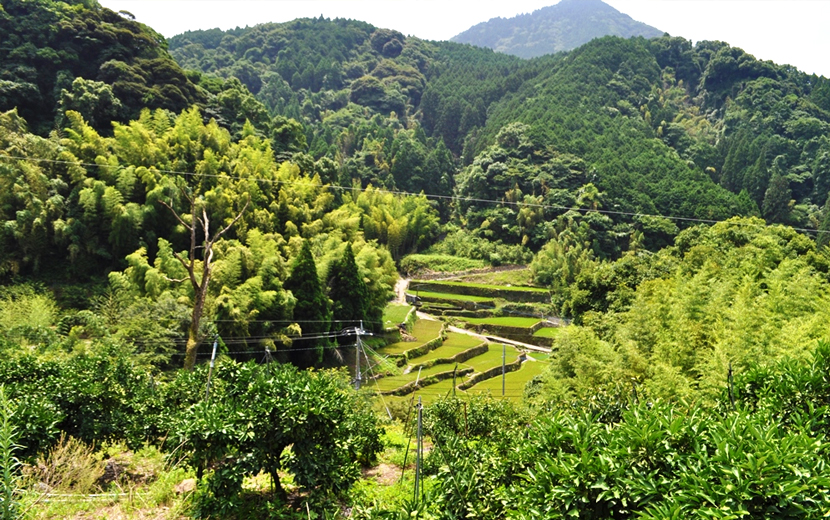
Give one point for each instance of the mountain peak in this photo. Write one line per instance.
(559, 27)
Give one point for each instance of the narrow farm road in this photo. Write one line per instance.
(400, 290)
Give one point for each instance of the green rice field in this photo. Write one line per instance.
(454, 344)
(449, 296)
(507, 279)
(491, 286)
(386, 384)
(480, 363)
(394, 314)
(424, 330)
(510, 321)
(492, 358)
(548, 332)
(514, 382)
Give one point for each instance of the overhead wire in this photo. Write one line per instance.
(398, 192)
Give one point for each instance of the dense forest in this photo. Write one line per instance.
(260, 190)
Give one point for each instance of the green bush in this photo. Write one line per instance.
(622, 455)
(411, 264)
(93, 397)
(272, 418)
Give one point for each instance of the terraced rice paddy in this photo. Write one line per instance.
(492, 358)
(424, 331)
(449, 296)
(389, 383)
(394, 314)
(514, 381)
(490, 286)
(548, 332)
(509, 321)
(454, 344)
(510, 279)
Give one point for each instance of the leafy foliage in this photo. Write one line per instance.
(607, 456)
(60, 56)
(737, 292)
(269, 418)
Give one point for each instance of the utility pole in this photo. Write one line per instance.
(210, 370)
(357, 374)
(503, 361)
(418, 451)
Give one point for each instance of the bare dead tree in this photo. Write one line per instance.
(199, 283)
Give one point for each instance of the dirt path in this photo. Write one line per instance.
(400, 290)
(400, 293)
(498, 339)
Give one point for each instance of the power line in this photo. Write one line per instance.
(401, 193)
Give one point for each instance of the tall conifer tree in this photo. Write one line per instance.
(348, 292)
(312, 311)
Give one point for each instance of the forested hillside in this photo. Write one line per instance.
(59, 56)
(563, 26)
(635, 235)
(659, 127)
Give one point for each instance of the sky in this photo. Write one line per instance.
(790, 32)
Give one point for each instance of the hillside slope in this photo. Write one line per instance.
(560, 27)
(76, 55)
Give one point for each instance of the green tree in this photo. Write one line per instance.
(94, 100)
(348, 292)
(778, 197)
(312, 310)
(274, 418)
(199, 270)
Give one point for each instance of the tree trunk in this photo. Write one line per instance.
(193, 338)
(277, 487)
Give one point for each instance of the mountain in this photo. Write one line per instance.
(659, 126)
(630, 126)
(555, 28)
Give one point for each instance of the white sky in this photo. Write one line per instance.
(795, 32)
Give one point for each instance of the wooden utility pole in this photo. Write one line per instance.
(419, 447)
(503, 362)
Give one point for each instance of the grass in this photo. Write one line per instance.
(454, 344)
(514, 382)
(440, 263)
(513, 277)
(423, 331)
(394, 314)
(386, 384)
(491, 286)
(509, 321)
(548, 332)
(146, 489)
(450, 296)
(492, 358)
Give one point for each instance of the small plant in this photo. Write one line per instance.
(70, 467)
(9, 462)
